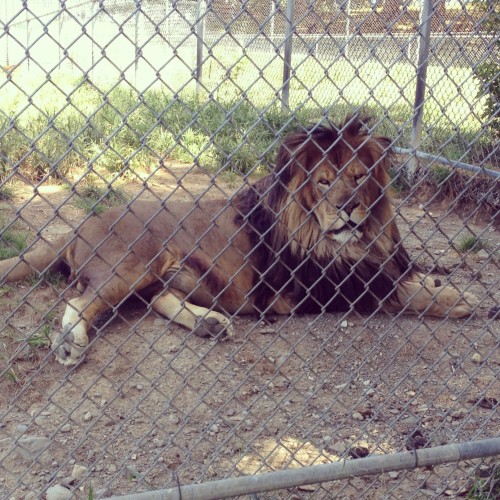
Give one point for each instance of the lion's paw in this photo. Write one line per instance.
(464, 307)
(66, 350)
(213, 325)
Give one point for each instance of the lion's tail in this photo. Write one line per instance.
(45, 256)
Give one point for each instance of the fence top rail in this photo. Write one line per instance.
(335, 471)
(452, 163)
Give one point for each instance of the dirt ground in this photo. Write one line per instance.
(153, 406)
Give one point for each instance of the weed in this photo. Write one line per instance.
(440, 175)
(11, 375)
(470, 243)
(54, 278)
(41, 338)
(486, 488)
(399, 180)
(94, 199)
(6, 193)
(12, 243)
(5, 290)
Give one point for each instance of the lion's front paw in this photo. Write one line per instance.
(465, 306)
(213, 325)
(69, 345)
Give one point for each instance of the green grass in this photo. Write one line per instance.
(12, 243)
(486, 488)
(58, 127)
(41, 338)
(440, 174)
(54, 278)
(6, 192)
(470, 243)
(93, 199)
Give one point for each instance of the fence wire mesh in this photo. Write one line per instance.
(184, 104)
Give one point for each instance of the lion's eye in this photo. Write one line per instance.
(324, 182)
(359, 177)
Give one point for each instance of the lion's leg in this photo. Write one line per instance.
(68, 345)
(203, 322)
(421, 295)
(71, 342)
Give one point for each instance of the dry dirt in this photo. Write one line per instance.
(152, 406)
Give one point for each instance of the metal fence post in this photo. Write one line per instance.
(200, 21)
(287, 62)
(423, 61)
(137, 20)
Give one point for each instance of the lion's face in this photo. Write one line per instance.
(340, 183)
(341, 199)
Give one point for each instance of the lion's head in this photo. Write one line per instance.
(331, 184)
(325, 222)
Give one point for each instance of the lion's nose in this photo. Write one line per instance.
(348, 207)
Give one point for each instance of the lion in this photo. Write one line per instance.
(317, 234)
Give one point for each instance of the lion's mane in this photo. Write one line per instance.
(295, 260)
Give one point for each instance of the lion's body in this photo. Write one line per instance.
(180, 245)
(317, 235)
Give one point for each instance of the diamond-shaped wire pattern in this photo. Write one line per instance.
(185, 102)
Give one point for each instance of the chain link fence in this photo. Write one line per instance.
(183, 103)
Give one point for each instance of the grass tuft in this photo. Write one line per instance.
(12, 243)
(486, 484)
(440, 175)
(6, 193)
(470, 243)
(41, 338)
(94, 199)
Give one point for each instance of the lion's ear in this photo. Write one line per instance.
(380, 150)
(385, 143)
(356, 125)
(292, 158)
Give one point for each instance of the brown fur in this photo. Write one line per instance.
(317, 234)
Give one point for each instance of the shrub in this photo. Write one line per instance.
(488, 73)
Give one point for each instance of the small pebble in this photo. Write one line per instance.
(476, 358)
(267, 330)
(174, 419)
(337, 448)
(41, 420)
(458, 414)
(58, 492)
(132, 472)
(79, 471)
(483, 254)
(422, 481)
